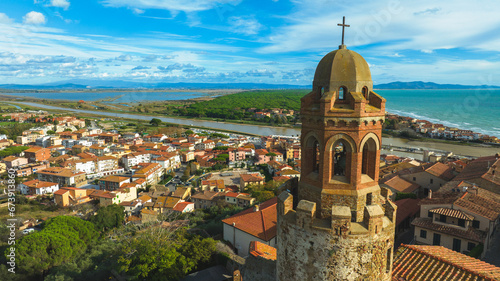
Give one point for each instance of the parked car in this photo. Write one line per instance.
(28, 230)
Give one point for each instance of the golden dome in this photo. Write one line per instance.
(343, 67)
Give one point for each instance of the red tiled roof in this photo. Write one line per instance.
(470, 233)
(417, 262)
(477, 168)
(181, 206)
(250, 178)
(440, 170)
(400, 184)
(261, 224)
(281, 178)
(452, 213)
(407, 207)
(480, 205)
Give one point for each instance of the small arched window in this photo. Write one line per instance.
(342, 92)
(315, 155)
(365, 92)
(322, 91)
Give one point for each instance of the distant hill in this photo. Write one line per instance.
(80, 84)
(103, 84)
(428, 85)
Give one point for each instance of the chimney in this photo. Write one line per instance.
(430, 194)
(256, 208)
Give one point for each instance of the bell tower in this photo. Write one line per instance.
(337, 223)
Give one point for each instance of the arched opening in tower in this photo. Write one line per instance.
(341, 161)
(311, 156)
(369, 161)
(315, 161)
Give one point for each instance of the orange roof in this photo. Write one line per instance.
(39, 184)
(181, 206)
(440, 263)
(400, 184)
(34, 149)
(407, 207)
(261, 224)
(61, 191)
(250, 178)
(60, 172)
(114, 179)
(452, 213)
(441, 170)
(258, 249)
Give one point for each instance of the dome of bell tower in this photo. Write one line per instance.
(343, 68)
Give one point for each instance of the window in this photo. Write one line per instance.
(365, 92)
(436, 240)
(414, 178)
(429, 214)
(423, 233)
(442, 218)
(432, 181)
(475, 223)
(470, 246)
(457, 245)
(316, 157)
(368, 199)
(342, 93)
(461, 222)
(388, 260)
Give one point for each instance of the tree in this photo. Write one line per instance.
(85, 230)
(189, 132)
(61, 240)
(50, 132)
(164, 254)
(108, 217)
(155, 122)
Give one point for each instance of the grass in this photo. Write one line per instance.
(32, 211)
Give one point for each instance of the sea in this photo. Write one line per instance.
(471, 109)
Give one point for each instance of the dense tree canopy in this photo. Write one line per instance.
(61, 240)
(11, 150)
(155, 122)
(109, 217)
(160, 254)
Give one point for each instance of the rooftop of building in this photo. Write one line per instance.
(440, 263)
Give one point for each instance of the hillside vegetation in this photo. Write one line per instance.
(234, 106)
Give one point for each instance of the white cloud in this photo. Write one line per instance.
(174, 6)
(244, 25)
(4, 18)
(34, 18)
(390, 25)
(137, 11)
(60, 3)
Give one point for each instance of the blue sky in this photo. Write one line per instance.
(268, 41)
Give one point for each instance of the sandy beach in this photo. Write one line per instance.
(465, 150)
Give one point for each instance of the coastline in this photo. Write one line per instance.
(457, 149)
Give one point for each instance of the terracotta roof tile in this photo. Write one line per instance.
(439, 263)
(452, 213)
(470, 233)
(261, 224)
(407, 207)
(400, 184)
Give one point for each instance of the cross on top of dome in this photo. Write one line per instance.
(343, 28)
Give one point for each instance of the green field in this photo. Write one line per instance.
(234, 106)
